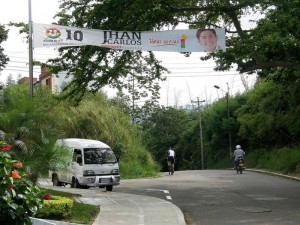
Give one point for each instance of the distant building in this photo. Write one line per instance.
(55, 83)
(25, 80)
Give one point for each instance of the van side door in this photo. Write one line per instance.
(75, 165)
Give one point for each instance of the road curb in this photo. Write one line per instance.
(274, 174)
(179, 214)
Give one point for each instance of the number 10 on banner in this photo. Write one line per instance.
(76, 35)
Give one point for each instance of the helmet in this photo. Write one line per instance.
(238, 147)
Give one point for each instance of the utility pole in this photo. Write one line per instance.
(200, 126)
(30, 52)
(133, 102)
(228, 116)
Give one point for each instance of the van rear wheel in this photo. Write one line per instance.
(55, 181)
(109, 188)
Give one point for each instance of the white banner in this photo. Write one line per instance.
(202, 40)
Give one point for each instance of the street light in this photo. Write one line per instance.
(200, 126)
(228, 114)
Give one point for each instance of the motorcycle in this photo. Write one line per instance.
(240, 165)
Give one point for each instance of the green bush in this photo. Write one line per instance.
(281, 160)
(81, 213)
(56, 207)
(19, 198)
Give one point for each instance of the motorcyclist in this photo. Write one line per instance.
(239, 152)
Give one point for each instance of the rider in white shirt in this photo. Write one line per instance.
(171, 158)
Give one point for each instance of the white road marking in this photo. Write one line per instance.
(164, 191)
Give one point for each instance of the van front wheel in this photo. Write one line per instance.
(109, 188)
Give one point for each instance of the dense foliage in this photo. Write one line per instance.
(19, 198)
(164, 129)
(33, 126)
(265, 118)
(262, 37)
(262, 120)
(271, 115)
(98, 118)
(30, 125)
(94, 67)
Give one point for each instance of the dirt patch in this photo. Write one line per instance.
(96, 213)
(296, 174)
(188, 219)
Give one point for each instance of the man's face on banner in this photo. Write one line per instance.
(208, 40)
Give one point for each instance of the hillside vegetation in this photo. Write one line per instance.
(264, 121)
(33, 126)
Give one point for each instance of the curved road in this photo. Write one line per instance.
(222, 197)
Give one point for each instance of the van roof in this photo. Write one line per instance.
(81, 143)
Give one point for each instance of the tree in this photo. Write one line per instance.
(30, 126)
(141, 97)
(10, 80)
(270, 117)
(103, 66)
(163, 129)
(273, 45)
(3, 37)
(270, 46)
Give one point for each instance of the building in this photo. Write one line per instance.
(25, 80)
(55, 83)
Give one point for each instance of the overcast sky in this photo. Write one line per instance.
(189, 78)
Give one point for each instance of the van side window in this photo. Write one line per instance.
(77, 152)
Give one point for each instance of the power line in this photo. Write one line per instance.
(26, 52)
(19, 70)
(184, 68)
(16, 62)
(10, 66)
(199, 75)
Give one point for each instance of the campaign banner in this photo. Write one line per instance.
(192, 40)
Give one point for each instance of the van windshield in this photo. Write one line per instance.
(99, 156)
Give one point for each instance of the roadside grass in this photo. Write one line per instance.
(81, 213)
(281, 160)
(136, 170)
(224, 163)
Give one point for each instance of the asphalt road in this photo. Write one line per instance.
(222, 197)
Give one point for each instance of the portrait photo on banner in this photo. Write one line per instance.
(211, 40)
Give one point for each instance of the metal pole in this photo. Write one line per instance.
(200, 126)
(30, 52)
(228, 115)
(201, 138)
(133, 98)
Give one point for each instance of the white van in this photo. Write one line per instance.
(92, 163)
